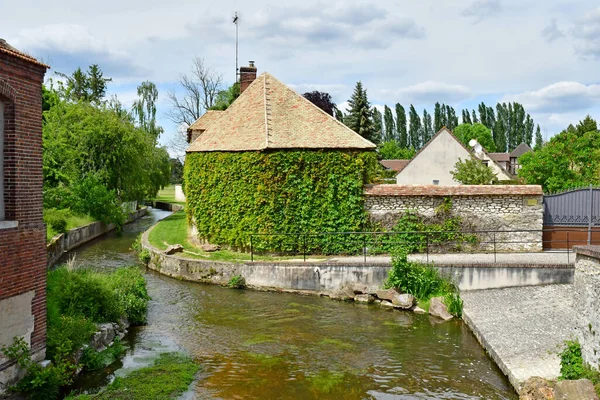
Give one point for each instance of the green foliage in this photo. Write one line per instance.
(415, 130)
(168, 378)
(40, 383)
(96, 200)
(570, 159)
(391, 150)
(231, 195)
(401, 132)
(423, 281)
(129, 288)
(226, 97)
(237, 282)
(572, 366)
(473, 172)
(390, 125)
(56, 219)
(483, 135)
(144, 256)
(93, 360)
(360, 116)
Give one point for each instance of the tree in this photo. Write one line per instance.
(377, 124)
(414, 130)
(479, 132)
(568, 160)
(391, 150)
(587, 125)
(226, 97)
(176, 171)
(438, 120)
(475, 120)
(466, 117)
(200, 90)
(451, 118)
(473, 172)
(145, 108)
(390, 126)
(322, 100)
(401, 135)
(427, 127)
(539, 142)
(359, 117)
(82, 86)
(96, 83)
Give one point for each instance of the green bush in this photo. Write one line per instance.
(423, 281)
(56, 219)
(237, 282)
(572, 366)
(129, 286)
(144, 256)
(232, 195)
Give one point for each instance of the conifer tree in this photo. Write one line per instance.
(475, 120)
(377, 124)
(466, 117)
(539, 142)
(359, 117)
(414, 131)
(390, 126)
(437, 118)
(401, 133)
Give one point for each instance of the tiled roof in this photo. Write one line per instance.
(460, 190)
(8, 49)
(269, 115)
(205, 120)
(395, 165)
(500, 157)
(520, 150)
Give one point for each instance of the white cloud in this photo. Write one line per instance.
(560, 97)
(429, 92)
(551, 32)
(482, 9)
(586, 33)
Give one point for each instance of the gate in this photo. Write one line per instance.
(572, 218)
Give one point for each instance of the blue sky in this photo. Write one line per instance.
(545, 54)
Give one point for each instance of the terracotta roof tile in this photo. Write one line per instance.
(395, 165)
(8, 49)
(461, 190)
(269, 115)
(205, 120)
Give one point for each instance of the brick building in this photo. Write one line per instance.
(22, 230)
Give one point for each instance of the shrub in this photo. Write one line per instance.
(94, 360)
(56, 219)
(129, 286)
(144, 256)
(237, 282)
(572, 366)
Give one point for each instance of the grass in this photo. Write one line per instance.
(168, 378)
(174, 230)
(167, 195)
(73, 221)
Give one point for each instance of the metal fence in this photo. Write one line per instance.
(366, 244)
(577, 207)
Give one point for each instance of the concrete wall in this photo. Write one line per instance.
(488, 208)
(587, 298)
(74, 238)
(434, 162)
(179, 195)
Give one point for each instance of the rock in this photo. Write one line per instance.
(437, 308)
(386, 303)
(104, 335)
(536, 388)
(175, 248)
(404, 301)
(575, 390)
(364, 298)
(387, 294)
(418, 310)
(360, 289)
(210, 247)
(345, 293)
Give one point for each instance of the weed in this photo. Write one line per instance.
(237, 282)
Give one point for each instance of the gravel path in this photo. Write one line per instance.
(522, 328)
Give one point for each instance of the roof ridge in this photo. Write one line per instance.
(267, 109)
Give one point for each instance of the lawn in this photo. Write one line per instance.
(73, 221)
(174, 230)
(167, 195)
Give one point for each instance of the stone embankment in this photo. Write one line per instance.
(73, 238)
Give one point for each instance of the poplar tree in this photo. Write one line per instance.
(414, 131)
(378, 124)
(538, 139)
(475, 120)
(401, 133)
(466, 117)
(427, 127)
(437, 118)
(359, 117)
(390, 126)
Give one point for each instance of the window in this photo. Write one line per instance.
(436, 182)
(1, 161)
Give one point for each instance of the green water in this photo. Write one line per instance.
(255, 345)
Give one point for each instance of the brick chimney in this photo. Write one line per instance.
(247, 76)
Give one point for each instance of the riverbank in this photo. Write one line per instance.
(73, 238)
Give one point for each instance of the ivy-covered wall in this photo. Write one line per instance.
(231, 195)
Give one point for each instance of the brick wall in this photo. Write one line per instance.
(22, 247)
(493, 208)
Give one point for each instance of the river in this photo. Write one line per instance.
(256, 345)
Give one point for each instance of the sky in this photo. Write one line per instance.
(544, 53)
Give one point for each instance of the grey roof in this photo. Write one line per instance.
(520, 150)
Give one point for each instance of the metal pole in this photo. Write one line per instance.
(494, 246)
(236, 21)
(251, 249)
(568, 249)
(590, 216)
(427, 237)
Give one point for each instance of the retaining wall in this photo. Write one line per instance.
(587, 299)
(74, 238)
(488, 208)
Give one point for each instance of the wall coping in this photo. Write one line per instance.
(590, 251)
(460, 190)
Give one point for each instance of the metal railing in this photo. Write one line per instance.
(367, 244)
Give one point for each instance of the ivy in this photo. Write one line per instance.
(233, 195)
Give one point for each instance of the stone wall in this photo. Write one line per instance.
(587, 298)
(483, 208)
(73, 238)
